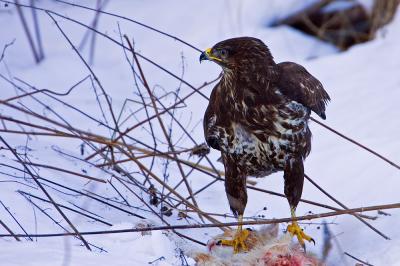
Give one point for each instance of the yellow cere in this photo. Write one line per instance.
(210, 56)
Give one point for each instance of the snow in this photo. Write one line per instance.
(121, 249)
(363, 83)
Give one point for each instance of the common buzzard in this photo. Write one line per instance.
(258, 118)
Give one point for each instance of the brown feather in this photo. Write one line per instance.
(299, 85)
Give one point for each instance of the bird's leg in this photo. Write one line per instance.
(295, 230)
(238, 241)
(235, 188)
(294, 179)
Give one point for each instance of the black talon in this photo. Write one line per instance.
(312, 240)
(219, 243)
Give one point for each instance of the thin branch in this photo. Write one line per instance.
(356, 143)
(37, 32)
(42, 90)
(67, 171)
(198, 226)
(46, 193)
(153, 101)
(65, 207)
(55, 222)
(89, 68)
(15, 219)
(145, 169)
(357, 259)
(134, 21)
(27, 31)
(344, 207)
(159, 216)
(5, 48)
(94, 198)
(9, 230)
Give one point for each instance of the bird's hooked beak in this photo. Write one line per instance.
(207, 55)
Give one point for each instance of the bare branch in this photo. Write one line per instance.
(46, 193)
(198, 226)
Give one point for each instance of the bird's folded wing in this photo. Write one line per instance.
(296, 83)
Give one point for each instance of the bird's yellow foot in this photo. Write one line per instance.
(295, 230)
(238, 241)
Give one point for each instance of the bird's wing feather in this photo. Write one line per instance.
(210, 116)
(296, 83)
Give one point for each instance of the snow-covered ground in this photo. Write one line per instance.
(363, 83)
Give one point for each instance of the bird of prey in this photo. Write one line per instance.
(257, 118)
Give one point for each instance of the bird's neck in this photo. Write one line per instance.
(253, 77)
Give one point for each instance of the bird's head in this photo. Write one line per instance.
(238, 52)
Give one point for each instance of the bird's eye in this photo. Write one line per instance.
(223, 53)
